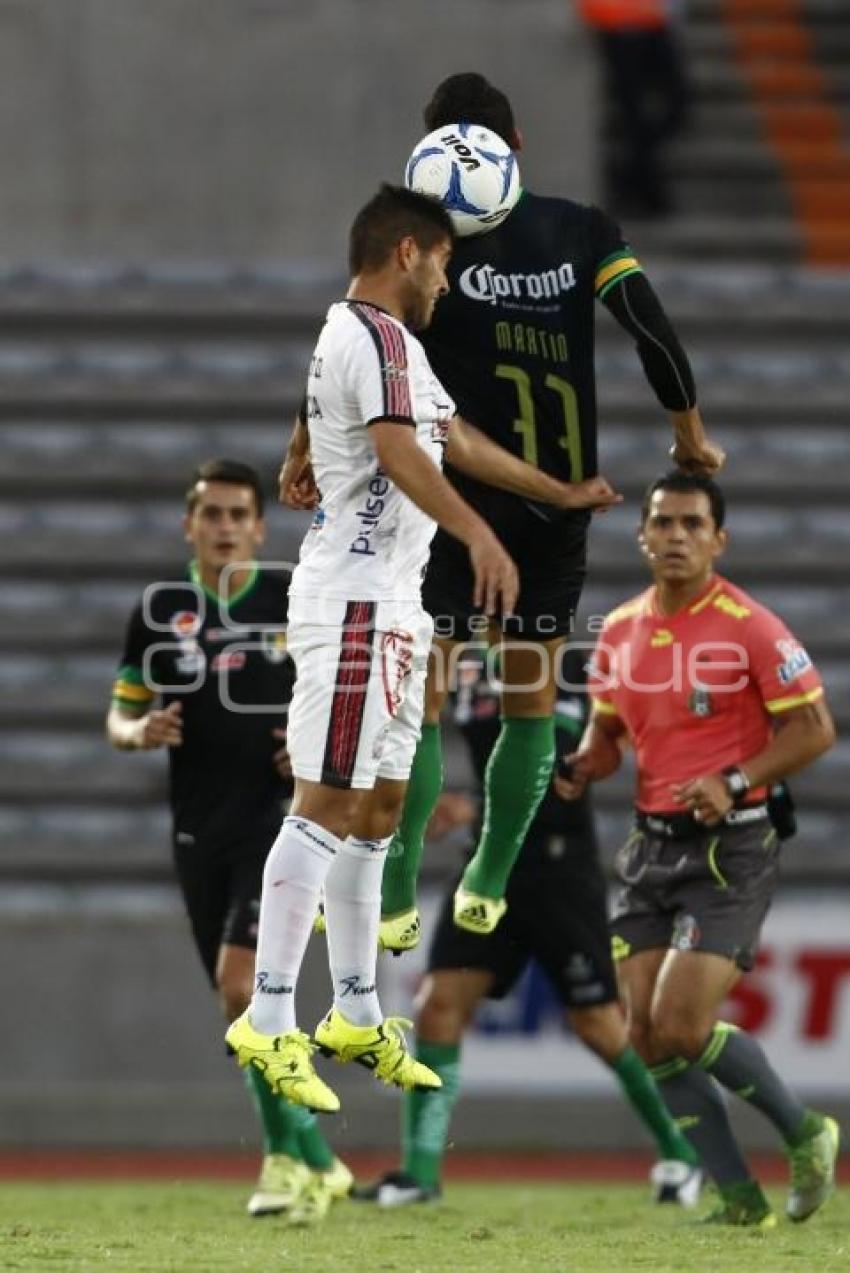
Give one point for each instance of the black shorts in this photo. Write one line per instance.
(557, 914)
(221, 881)
(549, 548)
(710, 892)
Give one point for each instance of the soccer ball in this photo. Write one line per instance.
(472, 172)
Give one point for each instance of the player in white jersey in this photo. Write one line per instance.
(378, 422)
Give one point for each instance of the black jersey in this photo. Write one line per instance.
(476, 711)
(513, 342)
(228, 664)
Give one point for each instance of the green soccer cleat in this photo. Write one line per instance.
(320, 924)
(400, 932)
(284, 1062)
(312, 1204)
(476, 913)
(380, 1048)
(743, 1205)
(812, 1172)
(281, 1183)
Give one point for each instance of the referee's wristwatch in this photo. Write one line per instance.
(737, 782)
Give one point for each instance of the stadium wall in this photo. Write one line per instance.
(187, 129)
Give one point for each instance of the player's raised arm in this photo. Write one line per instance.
(407, 465)
(627, 293)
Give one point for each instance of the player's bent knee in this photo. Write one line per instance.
(678, 1036)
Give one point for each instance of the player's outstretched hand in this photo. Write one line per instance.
(297, 483)
(162, 728)
(496, 580)
(595, 492)
(703, 458)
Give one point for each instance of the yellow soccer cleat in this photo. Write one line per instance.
(323, 1188)
(338, 1179)
(284, 1062)
(476, 913)
(282, 1181)
(313, 1203)
(400, 932)
(380, 1048)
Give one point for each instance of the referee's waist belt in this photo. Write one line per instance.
(683, 826)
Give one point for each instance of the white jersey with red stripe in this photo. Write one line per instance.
(367, 540)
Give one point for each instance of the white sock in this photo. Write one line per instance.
(352, 915)
(295, 871)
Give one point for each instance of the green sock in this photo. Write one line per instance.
(518, 773)
(639, 1086)
(314, 1149)
(280, 1134)
(398, 889)
(426, 1115)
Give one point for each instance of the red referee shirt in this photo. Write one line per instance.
(696, 690)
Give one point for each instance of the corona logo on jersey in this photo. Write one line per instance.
(484, 283)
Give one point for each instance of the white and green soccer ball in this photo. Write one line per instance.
(472, 172)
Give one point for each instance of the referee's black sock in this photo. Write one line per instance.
(739, 1062)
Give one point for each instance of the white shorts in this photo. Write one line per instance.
(356, 712)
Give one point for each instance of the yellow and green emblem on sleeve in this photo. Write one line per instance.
(129, 688)
(617, 266)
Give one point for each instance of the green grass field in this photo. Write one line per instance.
(177, 1227)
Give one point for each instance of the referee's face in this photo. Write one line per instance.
(223, 525)
(679, 537)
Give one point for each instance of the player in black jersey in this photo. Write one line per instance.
(513, 342)
(210, 649)
(557, 914)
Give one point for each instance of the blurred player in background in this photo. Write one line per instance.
(215, 635)
(513, 343)
(719, 702)
(557, 914)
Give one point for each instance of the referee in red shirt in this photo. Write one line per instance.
(719, 703)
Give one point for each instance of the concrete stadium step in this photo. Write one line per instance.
(144, 460)
(814, 541)
(59, 764)
(38, 842)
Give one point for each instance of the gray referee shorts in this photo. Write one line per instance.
(708, 892)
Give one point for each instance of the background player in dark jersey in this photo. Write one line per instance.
(557, 914)
(514, 344)
(211, 649)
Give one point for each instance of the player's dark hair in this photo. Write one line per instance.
(685, 484)
(232, 471)
(469, 98)
(390, 216)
